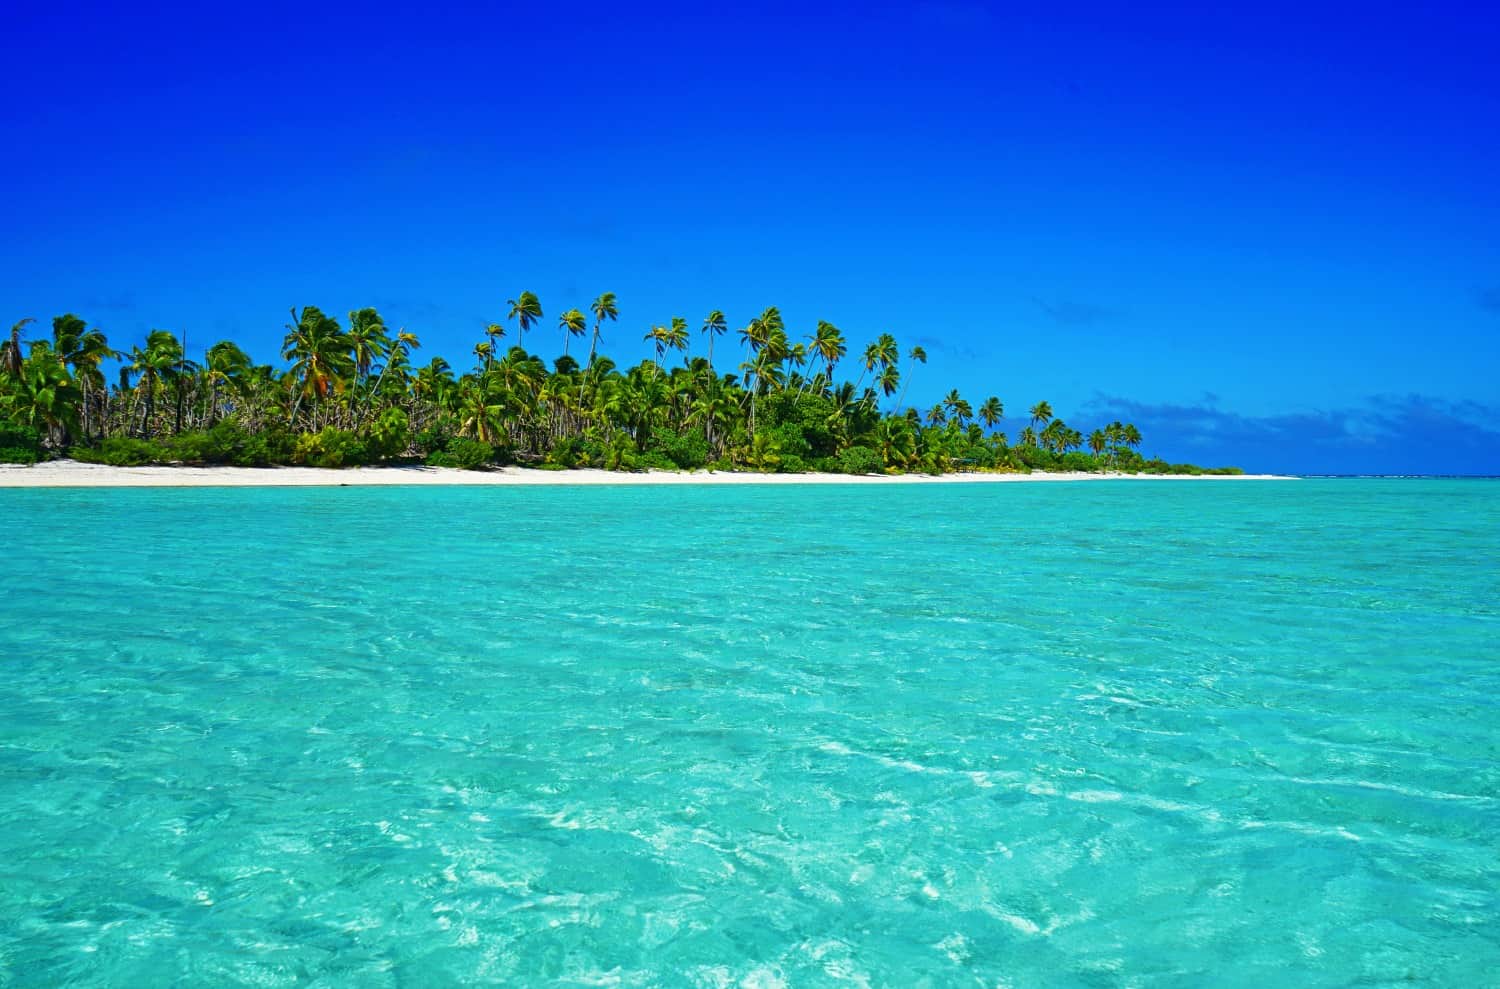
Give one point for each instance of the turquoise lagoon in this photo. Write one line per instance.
(1103, 734)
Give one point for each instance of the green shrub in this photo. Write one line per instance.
(123, 451)
(568, 453)
(389, 435)
(433, 438)
(790, 441)
(792, 464)
(684, 452)
(330, 447)
(647, 460)
(1077, 460)
(860, 460)
(218, 445)
(19, 444)
(462, 453)
(266, 449)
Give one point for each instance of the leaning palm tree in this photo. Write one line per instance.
(889, 379)
(603, 308)
(525, 310)
(755, 335)
(401, 349)
(882, 353)
(917, 356)
(714, 325)
(572, 324)
(493, 332)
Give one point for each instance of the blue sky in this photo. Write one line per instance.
(1237, 228)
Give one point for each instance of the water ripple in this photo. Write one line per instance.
(1018, 735)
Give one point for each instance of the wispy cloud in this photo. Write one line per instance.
(120, 302)
(1068, 312)
(1387, 434)
(937, 345)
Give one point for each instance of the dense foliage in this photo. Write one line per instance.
(353, 394)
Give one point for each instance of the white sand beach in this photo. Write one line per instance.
(72, 474)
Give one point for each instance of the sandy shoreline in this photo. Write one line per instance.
(71, 474)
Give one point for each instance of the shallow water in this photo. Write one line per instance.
(1027, 735)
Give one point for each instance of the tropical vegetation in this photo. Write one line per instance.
(357, 392)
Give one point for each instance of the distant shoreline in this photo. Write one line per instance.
(73, 474)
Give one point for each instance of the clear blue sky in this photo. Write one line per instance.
(1238, 228)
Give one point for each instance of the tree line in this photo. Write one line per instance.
(355, 393)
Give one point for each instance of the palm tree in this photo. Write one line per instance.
(10, 350)
(991, 412)
(368, 339)
(890, 378)
(572, 324)
(714, 406)
(896, 441)
(677, 336)
(714, 325)
(401, 349)
(1041, 414)
(882, 353)
(82, 350)
(157, 362)
(1058, 438)
(321, 355)
(658, 337)
(525, 310)
(917, 356)
(757, 336)
(959, 407)
(434, 384)
(867, 362)
(493, 332)
(1097, 442)
(828, 345)
(603, 308)
(43, 396)
(481, 407)
(225, 365)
